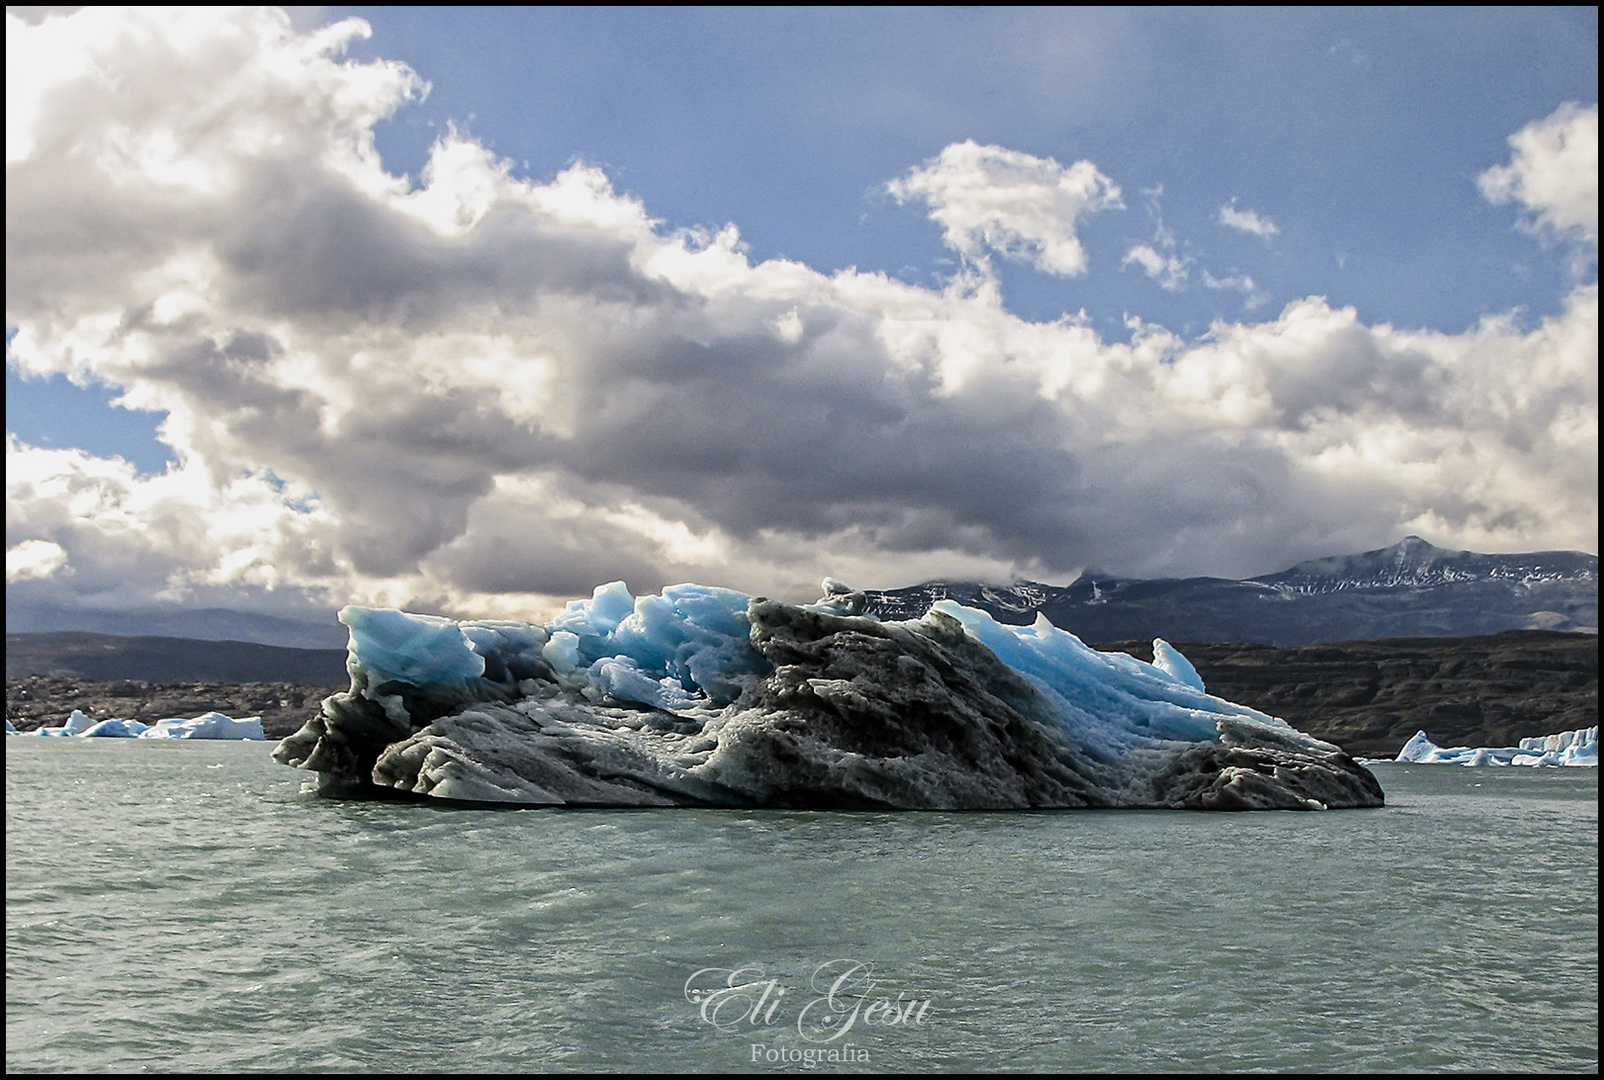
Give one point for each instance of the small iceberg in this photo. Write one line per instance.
(1579, 747)
(210, 725)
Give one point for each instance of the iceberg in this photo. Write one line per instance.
(702, 696)
(82, 725)
(115, 729)
(211, 725)
(1578, 747)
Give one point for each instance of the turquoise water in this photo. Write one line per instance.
(183, 907)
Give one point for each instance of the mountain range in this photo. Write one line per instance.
(73, 654)
(1411, 589)
(198, 624)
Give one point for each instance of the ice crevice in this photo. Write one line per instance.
(702, 696)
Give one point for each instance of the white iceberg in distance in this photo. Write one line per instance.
(709, 697)
(211, 725)
(82, 725)
(114, 729)
(1579, 747)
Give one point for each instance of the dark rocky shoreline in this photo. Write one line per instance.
(1370, 697)
(1367, 697)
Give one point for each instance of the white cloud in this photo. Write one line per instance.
(1248, 221)
(1167, 263)
(1167, 268)
(34, 559)
(488, 393)
(1253, 297)
(1161, 260)
(183, 534)
(1023, 207)
(1553, 172)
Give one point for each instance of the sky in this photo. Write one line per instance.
(470, 310)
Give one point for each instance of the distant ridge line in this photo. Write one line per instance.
(1411, 589)
(77, 654)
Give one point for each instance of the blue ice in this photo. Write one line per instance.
(689, 646)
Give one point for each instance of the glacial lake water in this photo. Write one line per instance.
(182, 906)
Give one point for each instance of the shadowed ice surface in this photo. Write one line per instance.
(181, 906)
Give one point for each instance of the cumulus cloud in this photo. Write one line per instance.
(1247, 221)
(34, 559)
(119, 540)
(1553, 172)
(987, 198)
(478, 393)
